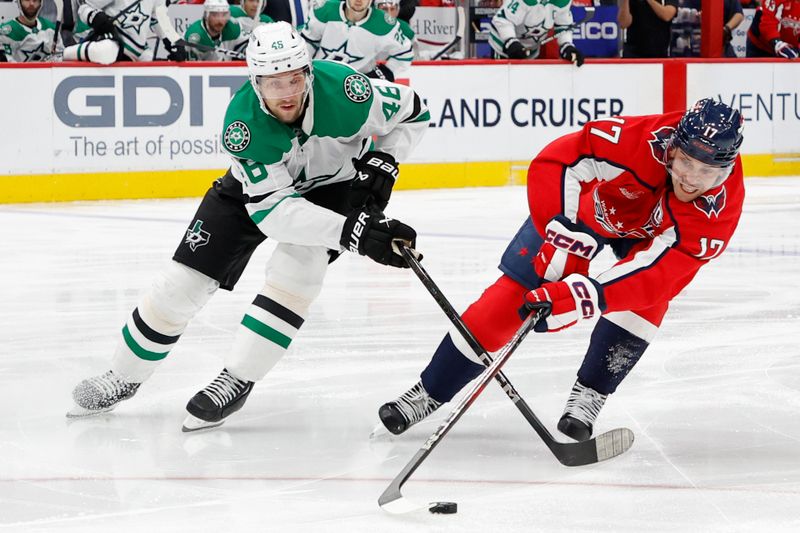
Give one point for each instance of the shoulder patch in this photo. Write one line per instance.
(194, 38)
(237, 136)
(5, 29)
(357, 88)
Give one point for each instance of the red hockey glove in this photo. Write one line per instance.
(568, 247)
(569, 301)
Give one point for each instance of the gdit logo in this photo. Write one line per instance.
(595, 31)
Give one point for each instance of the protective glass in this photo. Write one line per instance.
(694, 174)
(284, 85)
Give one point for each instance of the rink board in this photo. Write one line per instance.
(152, 131)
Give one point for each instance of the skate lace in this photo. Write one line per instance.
(109, 385)
(416, 404)
(584, 404)
(224, 388)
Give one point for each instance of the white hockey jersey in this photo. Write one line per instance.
(134, 20)
(22, 44)
(377, 37)
(346, 115)
(530, 21)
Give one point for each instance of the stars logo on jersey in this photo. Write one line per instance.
(237, 136)
(357, 88)
(340, 54)
(5, 29)
(658, 144)
(196, 236)
(36, 54)
(134, 19)
(711, 204)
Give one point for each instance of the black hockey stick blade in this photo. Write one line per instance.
(603, 447)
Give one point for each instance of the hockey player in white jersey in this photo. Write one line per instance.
(28, 37)
(354, 33)
(120, 29)
(314, 149)
(518, 28)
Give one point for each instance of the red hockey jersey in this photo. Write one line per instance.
(776, 19)
(611, 176)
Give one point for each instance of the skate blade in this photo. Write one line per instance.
(192, 423)
(381, 433)
(81, 412)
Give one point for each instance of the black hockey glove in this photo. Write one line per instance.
(381, 72)
(727, 34)
(175, 52)
(101, 23)
(513, 49)
(570, 53)
(371, 233)
(376, 173)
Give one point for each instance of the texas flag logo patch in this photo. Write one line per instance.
(711, 204)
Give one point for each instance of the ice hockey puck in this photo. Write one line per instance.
(443, 507)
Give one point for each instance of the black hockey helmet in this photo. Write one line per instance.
(710, 132)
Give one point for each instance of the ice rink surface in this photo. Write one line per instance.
(714, 403)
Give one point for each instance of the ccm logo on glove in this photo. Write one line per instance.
(581, 292)
(570, 244)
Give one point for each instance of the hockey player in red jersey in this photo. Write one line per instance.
(664, 192)
(775, 30)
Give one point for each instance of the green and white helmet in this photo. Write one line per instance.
(275, 48)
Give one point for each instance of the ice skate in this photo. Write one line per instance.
(100, 394)
(221, 398)
(581, 411)
(408, 409)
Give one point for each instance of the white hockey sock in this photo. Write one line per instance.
(264, 335)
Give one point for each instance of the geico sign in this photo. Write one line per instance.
(97, 98)
(596, 30)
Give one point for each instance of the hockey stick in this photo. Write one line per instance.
(457, 39)
(587, 16)
(392, 500)
(205, 48)
(609, 444)
(59, 21)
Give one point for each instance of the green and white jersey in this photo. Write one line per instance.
(247, 24)
(22, 44)
(230, 37)
(530, 21)
(134, 20)
(239, 14)
(377, 37)
(277, 163)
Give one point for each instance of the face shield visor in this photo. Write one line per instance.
(284, 85)
(694, 175)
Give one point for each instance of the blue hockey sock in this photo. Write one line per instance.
(612, 353)
(448, 371)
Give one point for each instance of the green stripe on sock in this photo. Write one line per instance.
(265, 331)
(140, 352)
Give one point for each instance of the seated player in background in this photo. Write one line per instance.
(216, 30)
(775, 30)
(250, 9)
(392, 8)
(28, 37)
(119, 30)
(299, 134)
(664, 192)
(518, 28)
(352, 32)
